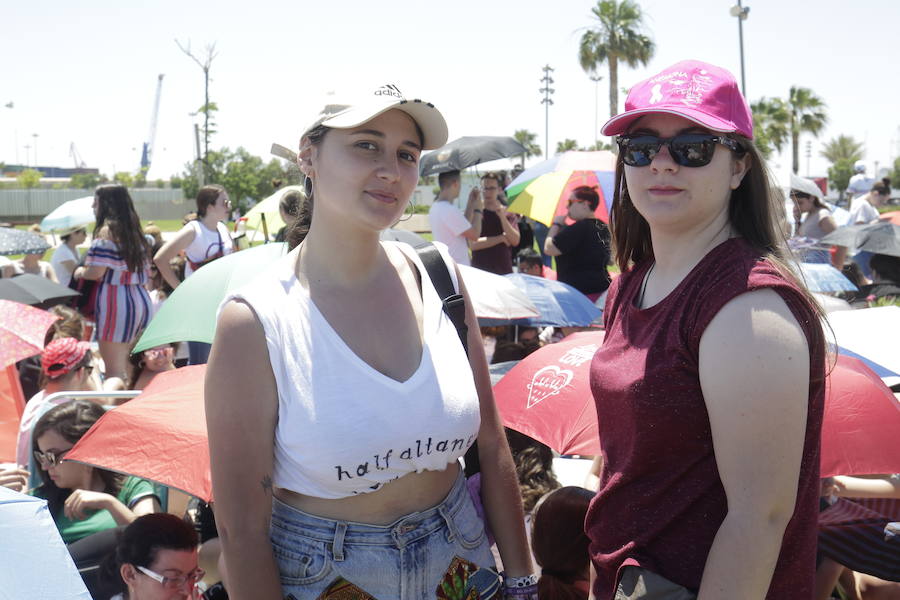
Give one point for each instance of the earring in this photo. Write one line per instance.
(308, 187)
(410, 210)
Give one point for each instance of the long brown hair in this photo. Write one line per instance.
(115, 211)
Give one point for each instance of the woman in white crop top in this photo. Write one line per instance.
(327, 469)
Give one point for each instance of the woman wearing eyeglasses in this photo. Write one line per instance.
(156, 559)
(582, 248)
(202, 240)
(83, 500)
(709, 384)
(818, 222)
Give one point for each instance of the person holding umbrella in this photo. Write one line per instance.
(66, 257)
(581, 249)
(499, 232)
(807, 200)
(710, 381)
(339, 398)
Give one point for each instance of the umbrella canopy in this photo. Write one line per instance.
(879, 238)
(821, 277)
(269, 208)
(189, 314)
(70, 214)
(34, 290)
(547, 396)
(870, 334)
(169, 420)
(14, 241)
(36, 563)
(468, 152)
(542, 191)
(559, 304)
(891, 217)
(22, 331)
(862, 422)
(496, 297)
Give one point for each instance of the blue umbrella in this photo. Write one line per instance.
(70, 214)
(559, 304)
(14, 241)
(35, 561)
(822, 277)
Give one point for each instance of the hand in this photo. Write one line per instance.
(81, 501)
(505, 239)
(78, 273)
(475, 200)
(14, 478)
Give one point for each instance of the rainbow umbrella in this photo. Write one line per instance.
(542, 192)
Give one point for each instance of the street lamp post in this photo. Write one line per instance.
(808, 154)
(547, 90)
(596, 79)
(35, 136)
(741, 12)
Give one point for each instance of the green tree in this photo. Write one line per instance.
(140, 178)
(29, 178)
(84, 181)
(843, 146)
(895, 175)
(566, 145)
(771, 124)
(244, 176)
(124, 177)
(808, 115)
(616, 36)
(160, 183)
(527, 139)
(839, 175)
(599, 145)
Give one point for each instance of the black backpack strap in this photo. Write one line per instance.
(454, 303)
(455, 307)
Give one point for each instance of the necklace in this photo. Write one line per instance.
(644, 285)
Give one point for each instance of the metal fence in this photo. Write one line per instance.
(32, 205)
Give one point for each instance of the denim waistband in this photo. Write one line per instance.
(401, 532)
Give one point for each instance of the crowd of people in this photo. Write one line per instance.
(361, 457)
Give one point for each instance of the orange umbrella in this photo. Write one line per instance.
(892, 216)
(160, 435)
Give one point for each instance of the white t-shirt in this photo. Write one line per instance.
(861, 212)
(859, 185)
(60, 255)
(447, 225)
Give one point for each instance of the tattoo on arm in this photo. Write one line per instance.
(266, 484)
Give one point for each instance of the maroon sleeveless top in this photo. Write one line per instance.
(661, 501)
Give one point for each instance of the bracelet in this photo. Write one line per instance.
(521, 593)
(519, 582)
(477, 210)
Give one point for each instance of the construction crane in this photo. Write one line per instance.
(73, 152)
(147, 151)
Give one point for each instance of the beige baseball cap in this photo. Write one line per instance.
(354, 111)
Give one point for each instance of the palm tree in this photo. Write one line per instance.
(527, 139)
(617, 36)
(807, 115)
(843, 147)
(566, 145)
(770, 124)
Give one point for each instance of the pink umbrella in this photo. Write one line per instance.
(22, 331)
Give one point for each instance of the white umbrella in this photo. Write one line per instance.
(870, 334)
(35, 561)
(496, 297)
(70, 214)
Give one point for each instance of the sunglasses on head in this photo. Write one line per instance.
(686, 149)
(49, 459)
(800, 195)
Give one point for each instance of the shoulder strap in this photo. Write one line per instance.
(454, 303)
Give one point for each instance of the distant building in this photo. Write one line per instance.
(53, 172)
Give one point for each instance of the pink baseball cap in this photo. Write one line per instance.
(703, 93)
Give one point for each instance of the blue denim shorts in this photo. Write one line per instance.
(406, 560)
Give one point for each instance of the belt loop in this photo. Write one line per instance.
(337, 549)
(452, 533)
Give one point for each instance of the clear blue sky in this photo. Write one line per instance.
(85, 72)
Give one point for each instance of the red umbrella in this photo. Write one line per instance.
(892, 216)
(160, 435)
(861, 432)
(22, 331)
(547, 396)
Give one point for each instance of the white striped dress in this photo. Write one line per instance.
(122, 307)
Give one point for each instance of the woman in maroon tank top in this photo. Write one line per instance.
(710, 383)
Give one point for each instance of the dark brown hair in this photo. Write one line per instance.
(534, 467)
(883, 187)
(115, 211)
(559, 543)
(587, 194)
(71, 420)
(207, 197)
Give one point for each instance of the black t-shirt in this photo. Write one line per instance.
(495, 259)
(585, 254)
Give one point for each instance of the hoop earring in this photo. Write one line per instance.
(409, 212)
(308, 187)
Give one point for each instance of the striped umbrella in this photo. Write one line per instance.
(542, 191)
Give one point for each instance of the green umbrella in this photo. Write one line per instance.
(190, 312)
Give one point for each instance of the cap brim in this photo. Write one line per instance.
(428, 118)
(620, 123)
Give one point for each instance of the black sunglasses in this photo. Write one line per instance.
(686, 149)
(800, 195)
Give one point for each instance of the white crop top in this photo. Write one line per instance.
(343, 427)
(206, 244)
